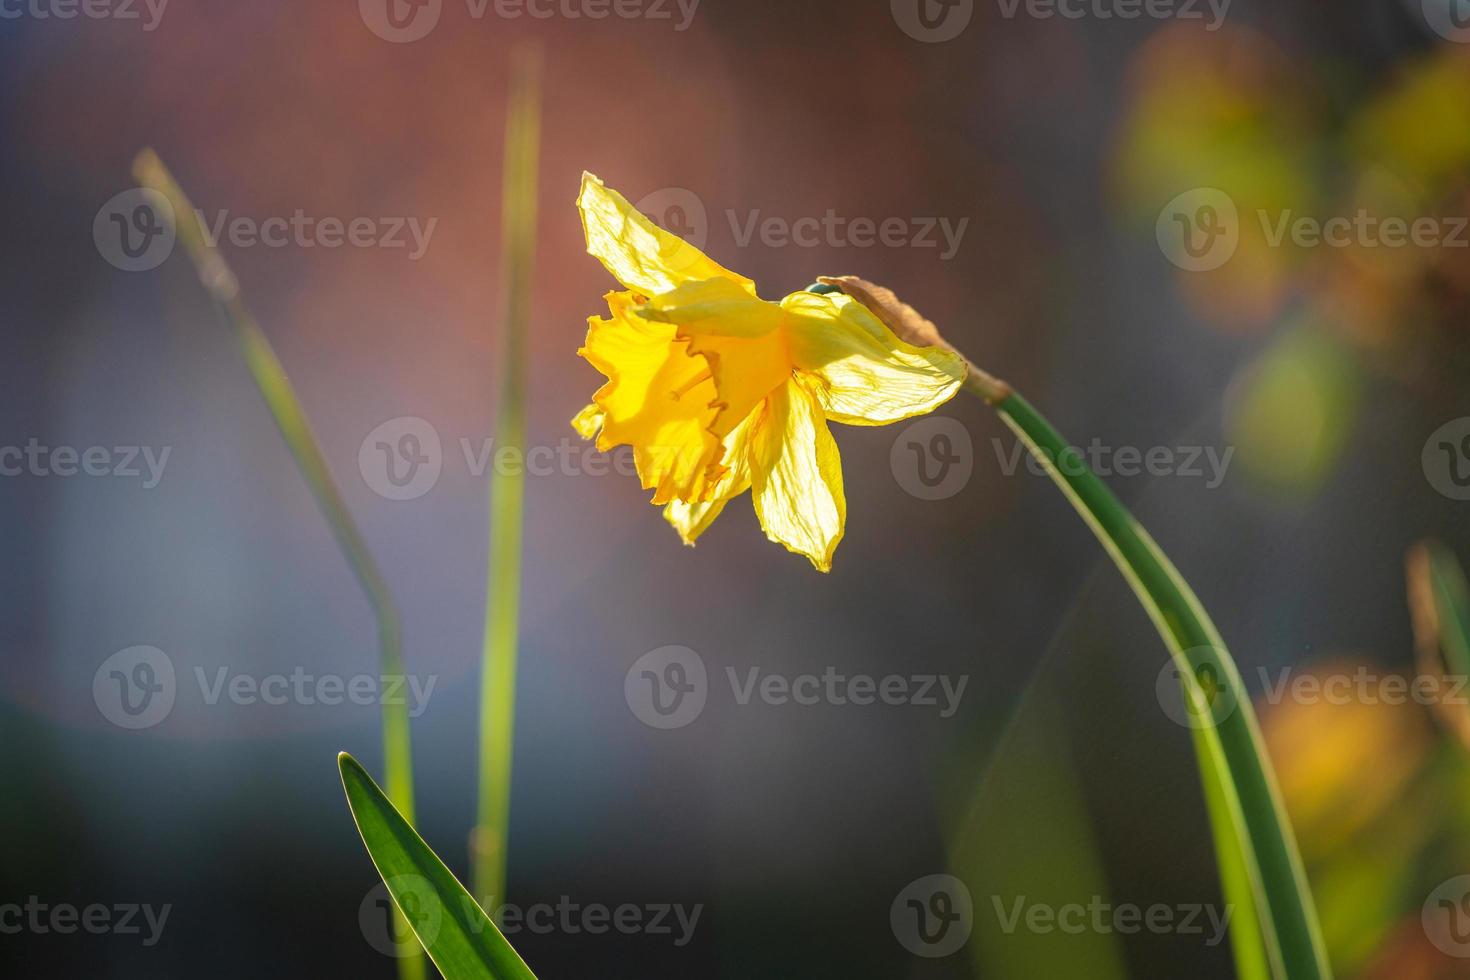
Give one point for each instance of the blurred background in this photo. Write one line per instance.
(1101, 208)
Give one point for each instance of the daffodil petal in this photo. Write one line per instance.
(691, 519)
(860, 373)
(640, 254)
(796, 476)
(659, 399)
(716, 307)
(589, 421)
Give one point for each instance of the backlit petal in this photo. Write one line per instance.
(640, 254)
(717, 307)
(796, 476)
(588, 422)
(860, 373)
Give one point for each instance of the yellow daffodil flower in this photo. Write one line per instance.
(719, 391)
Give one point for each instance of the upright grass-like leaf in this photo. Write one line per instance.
(270, 377)
(1260, 866)
(1439, 600)
(459, 937)
(507, 489)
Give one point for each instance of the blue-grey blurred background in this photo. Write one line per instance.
(1051, 146)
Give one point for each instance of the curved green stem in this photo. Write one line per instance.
(1240, 785)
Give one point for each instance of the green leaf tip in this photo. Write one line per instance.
(461, 940)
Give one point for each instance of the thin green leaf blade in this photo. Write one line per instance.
(270, 378)
(1452, 603)
(499, 650)
(1255, 843)
(1439, 600)
(460, 938)
(1248, 940)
